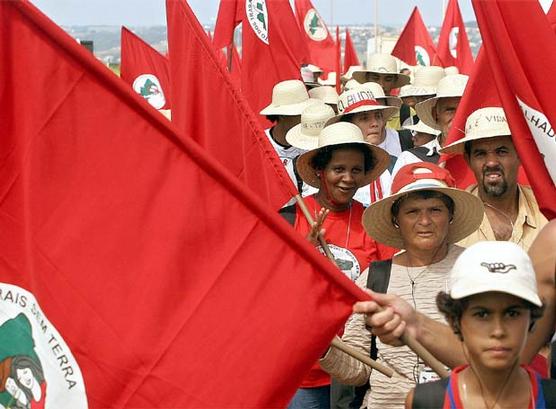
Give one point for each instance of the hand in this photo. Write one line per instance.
(317, 229)
(389, 317)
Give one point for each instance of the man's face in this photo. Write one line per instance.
(371, 124)
(386, 81)
(444, 112)
(494, 163)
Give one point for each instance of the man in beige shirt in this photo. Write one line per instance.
(511, 210)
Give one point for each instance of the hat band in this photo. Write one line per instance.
(365, 102)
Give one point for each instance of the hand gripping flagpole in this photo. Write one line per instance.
(411, 342)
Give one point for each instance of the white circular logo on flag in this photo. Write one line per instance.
(37, 368)
(421, 56)
(314, 26)
(257, 15)
(148, 86)
(453, 41)
(345, 260)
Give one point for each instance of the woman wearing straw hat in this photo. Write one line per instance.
(341, 163)
(424, 216)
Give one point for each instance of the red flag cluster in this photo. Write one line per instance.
(415, 46)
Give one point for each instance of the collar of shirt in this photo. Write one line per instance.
(433, 147)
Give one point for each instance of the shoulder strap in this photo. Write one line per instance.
(405, 112)
(549, 390)
(378, 279)
(422, 152)
(297, 177)
(430, 395)
(406, 139)
(288, 213)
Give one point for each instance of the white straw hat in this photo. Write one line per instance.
(289, 98)
(452, 70)
(349, 74)
(352, 84)
(425, 82)
(361, 100)
(378, 92)
(330, 80)
(449, 86)
(382, 64)
(325, 93)
(422, 128)
(468, 209)
(483, 123)
(499, 266)
(341, 133)
(306, 134)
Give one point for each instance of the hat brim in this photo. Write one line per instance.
(424, 110)
(309, 175)
(387, 111)
(468, 215)
(288, 110)
(401, 79)
(458, 147)
(297, 138)
(503, 286)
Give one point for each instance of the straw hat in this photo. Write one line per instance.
(449, 86)
(289, 98)
(452, 70)
(351, 84)
(325, 93)
(483, 123)
(330, 80)
(468, 209)
(425, 82)
(339, 134)
(382, 64)
(349, 74)
(422, 128)
(362, 100)
(306, 134)
(378, 92)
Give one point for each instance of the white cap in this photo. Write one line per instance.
(499, 266)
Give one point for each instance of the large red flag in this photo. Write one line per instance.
(522, 85)
(551, 16)
(453, 45)
(415, 46)
(209, 108)
(272, 46)
(130, 261)
(319, 41)
(350, 54)
(145, 69)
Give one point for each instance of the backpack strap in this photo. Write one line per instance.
(421, 152)
(297, 177)
(406, 139)
(549, 390)
(430, 395)
(378, 279)
(405, 113)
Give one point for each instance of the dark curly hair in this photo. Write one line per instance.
(324, 155)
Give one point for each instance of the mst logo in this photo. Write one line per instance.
(257, 15)
(421, 56)
(148, 86)
(314, 27)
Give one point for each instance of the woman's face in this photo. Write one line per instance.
(25, 376)
(423, 223)
(371, 124)
(494, 328)
(342, 177)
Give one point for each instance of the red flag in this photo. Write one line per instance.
(236, 63)
(415, 46)
(319, 41)
(338, 61)
(142, 251)
(145, 69)
(350, 54)
(521, 82)
(272, 47)
(453, 45)
(551, 16)
(209, 108)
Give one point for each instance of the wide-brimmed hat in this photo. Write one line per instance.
(422, 128)
(330, 79)
(341, 133)
(425, 82)
(308, 75)
(349, 73)
(451, 70)
(306, 134)
(325, 93)
(499, 266)
(468, 209)
(289, 98)
(379, 94)
(486, 122)
(351, 84)
(362, 99)
(448, 87)
(382, 64)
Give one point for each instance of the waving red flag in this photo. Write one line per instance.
(350, 54)
(521, 82)
(415, 46)
(145, 69)
(453, 45)
(209, 108)
(319, 41)
(272, 47)
(130, 266)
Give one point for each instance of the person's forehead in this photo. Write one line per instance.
(492, 143)
(448, 102)
(412, 201)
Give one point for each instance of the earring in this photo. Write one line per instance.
(451, 221)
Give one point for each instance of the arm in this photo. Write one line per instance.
(398, 316)
(543, 256)
(409, 399)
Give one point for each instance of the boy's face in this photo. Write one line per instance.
(494, 329)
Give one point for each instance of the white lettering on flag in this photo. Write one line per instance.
(543, 134)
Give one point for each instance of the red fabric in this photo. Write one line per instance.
(453, 45)
(338, 62)
(210, 109)
(138, 58)
(263, 65)
(142, 250)
(539, 364)
(406, 175)
(519, 77)
(320, 43)
(236, 64)
(551, 16)
(413, 40)
(350, 54)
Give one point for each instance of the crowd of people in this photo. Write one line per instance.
(445, 266)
